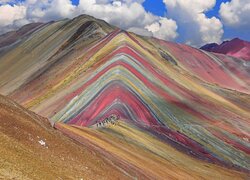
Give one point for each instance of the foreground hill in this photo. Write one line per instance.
(31, 149)
(235, 47)
(152, 107)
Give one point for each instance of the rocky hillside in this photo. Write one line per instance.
(31, 149)
(152, 107)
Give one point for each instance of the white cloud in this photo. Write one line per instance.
(129, 15)
(12, 18)
(163, 29)
(126, 14)
(141, 31)
(29, 11)
(11, 13)
(47, 10)
(236, 13)
(211, 29)
(120, 14)
(190, 17)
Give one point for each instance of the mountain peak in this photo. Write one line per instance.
(237, 39)
(209, 47)
(137, 101)
(235, 47)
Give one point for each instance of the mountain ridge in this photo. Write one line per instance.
(236, 47)
(108, 87)
(13, 36)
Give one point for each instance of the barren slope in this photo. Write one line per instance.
(153, 107)
(24, 157)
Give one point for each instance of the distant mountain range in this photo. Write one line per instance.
(236, 47)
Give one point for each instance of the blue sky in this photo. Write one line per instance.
(158, 8)
(215, 9)
(195, 22)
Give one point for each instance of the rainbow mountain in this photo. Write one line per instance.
(156, 109)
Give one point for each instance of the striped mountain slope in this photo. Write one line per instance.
(158, 108)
